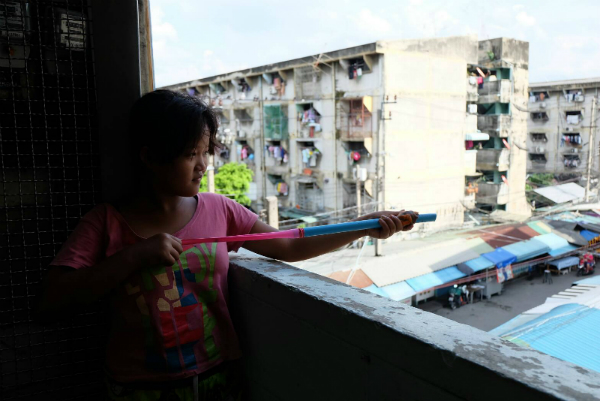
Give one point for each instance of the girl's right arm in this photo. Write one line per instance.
(68, 288)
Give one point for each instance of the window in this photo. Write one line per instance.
(308, 120)
(574, 96)
(537, 157)
(571, 139)
(571, 161)
(357, 67)
(537, 137)
(309, 197)
(539, 116)
(279, 184)
(538, 96)
(275, 122)
(574, 117)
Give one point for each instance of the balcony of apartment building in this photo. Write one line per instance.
(493, 159)
(355, 121)
(275, 120)
(494, 119)
(305, 336)
(307, 82)
(492, 193)
(308, 122)
(494, 91)
(538, 100)
(244, 121)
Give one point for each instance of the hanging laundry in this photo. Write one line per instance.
(277, 82)
(244, 153)
(356, 156)
(469, 144)
(313, 160)
(573, 119)
(350, 72)
(359, 72)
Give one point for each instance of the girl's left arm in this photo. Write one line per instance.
(294, 250)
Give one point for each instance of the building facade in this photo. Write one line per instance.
(560, 122)
(382, 125)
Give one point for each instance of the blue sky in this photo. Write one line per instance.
(195, 38)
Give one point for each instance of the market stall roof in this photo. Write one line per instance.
(589, 235)
(475, 265)
(565, 262)
(430, 280)
(568, 230)
(553, 241)
(500, 236)
(424, 260)
(563, 250)
(527, 249)
(540, 227)
(399, 291)
(500, 257)
(376, 290)
(359, 280)
(562, 193)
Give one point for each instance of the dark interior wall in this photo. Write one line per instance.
(69, 72)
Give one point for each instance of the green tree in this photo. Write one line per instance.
(233, 180)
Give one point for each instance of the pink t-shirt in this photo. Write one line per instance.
(169, 322)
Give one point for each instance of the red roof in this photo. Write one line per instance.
(504, 235)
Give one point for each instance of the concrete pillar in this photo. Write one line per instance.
(272, 212)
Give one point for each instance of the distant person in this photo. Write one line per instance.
(171, 335)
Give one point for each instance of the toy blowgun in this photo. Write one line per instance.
(309, 231)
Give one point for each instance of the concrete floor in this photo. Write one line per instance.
(517, 296)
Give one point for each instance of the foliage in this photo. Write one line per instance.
(233, 180)
(541, 180)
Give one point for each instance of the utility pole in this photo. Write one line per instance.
(263, 169)
(358, 191)
(591, 151)
(335, 145)
(210, 171)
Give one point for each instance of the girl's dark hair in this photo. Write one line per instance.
(169, 123)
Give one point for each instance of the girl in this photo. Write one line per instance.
(171, 334)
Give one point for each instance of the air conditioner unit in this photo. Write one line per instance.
(543, 105)
(273, 90)
(472, 109)
(473, 80)
(569, 129)
(539, 149)
(579, 98)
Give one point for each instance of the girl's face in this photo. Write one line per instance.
(182, 176)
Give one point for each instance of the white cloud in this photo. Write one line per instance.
(518, 7)
(525, 19)
(417, 2)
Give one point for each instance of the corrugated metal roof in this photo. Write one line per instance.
(553, 241)
(563, 250)
(430, 280)
(399, 291)
(527, 249)
(568, 332)
(359, 280)
(376, 290)
(506, 234)
(562, 193)
(500, 257)
(589, 235)
(540, 227)
(425, 260)
(479, 264)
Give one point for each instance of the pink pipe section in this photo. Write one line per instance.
(295, 233)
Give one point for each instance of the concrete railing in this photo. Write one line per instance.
(493, 159)
(495, 125)
(494, 91)
(306, 337)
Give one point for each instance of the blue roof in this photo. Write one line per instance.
(552, 240)
(590, 281)
(589, 235)
(527, 249)
(480, 263)
(563, 250)
(500, 257)
(565, 262)
(439, 277)
(568, 332)
(376, 290)
(399, 291)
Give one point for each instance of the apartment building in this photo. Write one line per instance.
(559, 126)
(497, 92)
(383, 124)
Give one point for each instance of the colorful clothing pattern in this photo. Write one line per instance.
(170, 322)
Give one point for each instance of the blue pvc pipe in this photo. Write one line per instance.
(357, 225)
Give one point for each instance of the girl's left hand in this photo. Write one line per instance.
(391, 222)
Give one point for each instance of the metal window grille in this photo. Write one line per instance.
(50, 170)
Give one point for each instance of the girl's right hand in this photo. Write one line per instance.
(159, 250)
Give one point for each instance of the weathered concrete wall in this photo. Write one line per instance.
(306, 337)
(424, 140)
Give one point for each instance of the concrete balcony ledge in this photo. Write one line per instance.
(306, 337)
